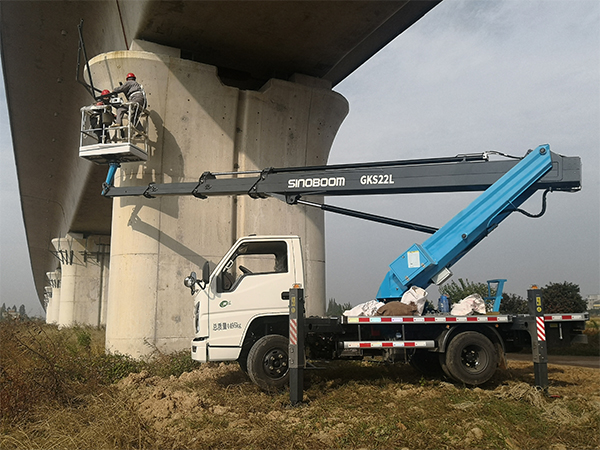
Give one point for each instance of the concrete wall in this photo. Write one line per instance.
(199, 124)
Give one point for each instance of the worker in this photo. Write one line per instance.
(102, 116)
(134, 93)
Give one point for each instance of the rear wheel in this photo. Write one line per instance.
(268, 365)
(471, 358)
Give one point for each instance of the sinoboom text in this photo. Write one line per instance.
(296, 183)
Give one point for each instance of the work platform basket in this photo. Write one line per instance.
(102, 142)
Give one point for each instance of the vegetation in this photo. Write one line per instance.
(513, 304)
(59, 390)
(335, 310)
(11, 313)
(563, 297)
(557, 297)
(457, 291)
(42, 365)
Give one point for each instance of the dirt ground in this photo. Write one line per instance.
(220, 400)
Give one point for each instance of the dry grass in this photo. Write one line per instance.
(347, 405)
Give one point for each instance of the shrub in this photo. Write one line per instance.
(457, 291)
(42, 365)
(513, 304)
(563, 297)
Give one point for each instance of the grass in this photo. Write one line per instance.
(170, 402)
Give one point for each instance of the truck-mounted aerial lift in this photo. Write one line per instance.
(241, 307)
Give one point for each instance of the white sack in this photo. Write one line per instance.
(364, 309)
(468, 305)
(417, 296)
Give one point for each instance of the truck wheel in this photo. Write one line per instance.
(426, 362)
(268, 362)
(243, 362)
(471, 358)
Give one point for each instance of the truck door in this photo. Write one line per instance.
(250, 283)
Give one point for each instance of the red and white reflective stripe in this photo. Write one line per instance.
(389, 344)
(428, 319)
(294, 331)
(563, 317)
(541, 328)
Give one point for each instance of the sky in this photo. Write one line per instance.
(469, 77)
(16, 278)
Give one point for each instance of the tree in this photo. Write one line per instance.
(22, 311)
(563, 297)
(513, 304)
(334, 309)
(457, 291)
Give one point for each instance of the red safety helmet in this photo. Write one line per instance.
(130, 75)
(105, 92)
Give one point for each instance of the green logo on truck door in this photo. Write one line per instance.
(224, 303)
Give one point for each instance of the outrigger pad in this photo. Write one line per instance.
(114, 152)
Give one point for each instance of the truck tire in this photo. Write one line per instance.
(243, 362)
(268, 362)
(471, 358)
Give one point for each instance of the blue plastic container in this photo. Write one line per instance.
(443, 305)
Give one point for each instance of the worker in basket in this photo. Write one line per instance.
(102, 116)
(134, 93)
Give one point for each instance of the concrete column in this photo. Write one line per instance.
(199, 124)
(52, 310)
(83, 263)
(47, 298)
(290, 124)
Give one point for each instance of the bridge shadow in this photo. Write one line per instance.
(137, 224)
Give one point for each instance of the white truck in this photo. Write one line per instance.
(241, 307)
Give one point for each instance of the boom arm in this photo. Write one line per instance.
(453, 174)
(423, 264)
(507, 185)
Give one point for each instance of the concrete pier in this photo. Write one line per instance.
(197, 124)
(53, 307)
(84, 274)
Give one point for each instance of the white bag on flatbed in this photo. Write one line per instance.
(415, 295)
(468, 305)
(364, 309)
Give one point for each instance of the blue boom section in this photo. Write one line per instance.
(420, 263)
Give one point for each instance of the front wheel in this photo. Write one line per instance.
(267, 363)
(471, 358)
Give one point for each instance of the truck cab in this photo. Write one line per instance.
(244, 297)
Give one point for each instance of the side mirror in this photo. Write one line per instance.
(206, 273)
(190, 282)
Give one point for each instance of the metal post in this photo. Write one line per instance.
(296, 349)
(538, 338)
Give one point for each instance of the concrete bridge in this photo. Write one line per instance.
(231, 85)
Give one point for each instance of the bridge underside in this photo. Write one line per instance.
(249, 42)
